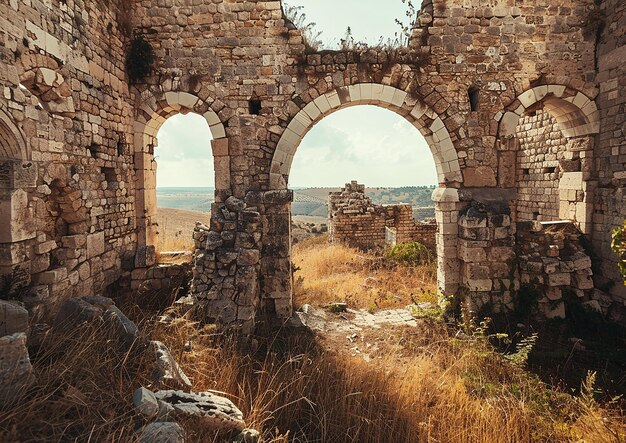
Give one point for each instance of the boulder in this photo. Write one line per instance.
(13, 318)
(167, 373)
(16, 372)
(161, 432)
(145, 402)
(126, 331)
(205, 409)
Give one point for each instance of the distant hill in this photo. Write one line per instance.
(308, 202)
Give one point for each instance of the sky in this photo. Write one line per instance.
(366, 143)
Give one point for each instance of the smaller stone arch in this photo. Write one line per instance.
(13, 144)
(576, 113)
(152, 112)
(578, 120)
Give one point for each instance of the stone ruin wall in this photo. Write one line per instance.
(77, 145)
(357, 222)
(541, 144)
(67, 181)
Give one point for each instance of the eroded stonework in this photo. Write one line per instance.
(77, 167)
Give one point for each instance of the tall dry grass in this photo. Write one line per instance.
(422, 386)
(430, 388)
(332, 272)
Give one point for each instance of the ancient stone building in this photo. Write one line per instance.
(521, 102)
(356, 221)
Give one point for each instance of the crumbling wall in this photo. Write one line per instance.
(357, 222)
(554, 265)
(609, 208)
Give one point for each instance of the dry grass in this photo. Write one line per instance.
(423, 384)
(176, 228)
(431, 388)
(330, 273)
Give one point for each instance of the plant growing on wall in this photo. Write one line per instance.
(619, 247)
(139, 59)
(310, 34)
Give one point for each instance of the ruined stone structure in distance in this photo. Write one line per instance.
(521, 102)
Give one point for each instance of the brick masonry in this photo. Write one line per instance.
(77, 173)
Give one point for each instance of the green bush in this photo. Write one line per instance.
(410, 253)
(619, 247)
(139, 59)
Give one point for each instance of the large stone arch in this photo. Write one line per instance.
(578, 120)
(401, 102)
(153, 110)
(433, 129)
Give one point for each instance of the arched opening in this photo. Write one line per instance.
(18, 175)
(446, 196)
(550, 131)
(363, 179)
(185, 180)
(154, 112)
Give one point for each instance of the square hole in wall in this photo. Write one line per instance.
(549, 170)
(526, 171)
(254, 106)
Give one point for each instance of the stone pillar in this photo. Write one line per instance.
(276, 284)
(225, 284)
(447, 206)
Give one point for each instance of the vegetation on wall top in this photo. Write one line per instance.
(139, 59)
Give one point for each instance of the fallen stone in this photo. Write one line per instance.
(126, 330)
(248, 436)
(13, 318)
(75, 311)
(145, 402)
(16, 372)
(208, 410)
(167, 373)
(161, 432)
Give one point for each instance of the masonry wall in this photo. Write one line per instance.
(71, 190)
(357, 222)
(610, 151)
(68, 225)
(541, 146)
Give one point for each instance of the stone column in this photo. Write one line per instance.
(447, 206)
(276, 271)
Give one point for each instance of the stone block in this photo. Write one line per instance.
(95, 244)
(559, 279)
(16, 217)
(13, 318)
(16, 371)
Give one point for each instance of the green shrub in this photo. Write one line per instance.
(139, 59)
(410, 254)
(619, 247)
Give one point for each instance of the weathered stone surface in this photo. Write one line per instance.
(16, 372)
(125, 329)
(13, 318)
(205, 409)
(161, 432)
(249, 436)
(167, 373)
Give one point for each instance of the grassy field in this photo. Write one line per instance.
(176, 228)
(328, 273)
